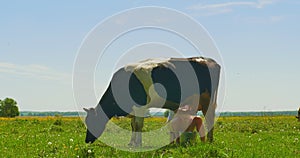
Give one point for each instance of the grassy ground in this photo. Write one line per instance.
(234, 137)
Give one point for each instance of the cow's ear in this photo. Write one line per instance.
(86, 110)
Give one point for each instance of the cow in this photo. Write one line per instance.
(159, 84)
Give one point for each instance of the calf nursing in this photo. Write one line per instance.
(160, 84)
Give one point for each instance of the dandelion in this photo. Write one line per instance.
(71, 140)
(49, 143)
(89, 151)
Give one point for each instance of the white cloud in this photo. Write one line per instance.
(221, 8)
(261, 19)
(262, 3)
(276, 18)
(34, 71)
(220, 5)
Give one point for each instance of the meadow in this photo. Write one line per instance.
(266, 136)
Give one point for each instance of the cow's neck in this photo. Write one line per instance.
(104, 106)
(109, 105)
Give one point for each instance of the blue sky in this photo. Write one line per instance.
(258, 40)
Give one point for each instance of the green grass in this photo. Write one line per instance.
(234, 137)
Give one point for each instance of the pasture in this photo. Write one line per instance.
(277, 136)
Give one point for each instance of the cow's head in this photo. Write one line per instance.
(95, 124)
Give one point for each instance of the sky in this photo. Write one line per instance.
(258, 41)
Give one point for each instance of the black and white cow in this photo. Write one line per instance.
(166, 84)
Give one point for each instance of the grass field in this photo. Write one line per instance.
(234, 137)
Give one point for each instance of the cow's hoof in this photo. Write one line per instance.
(131, 144)
(134, 145)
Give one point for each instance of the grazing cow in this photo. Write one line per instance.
(161, 84)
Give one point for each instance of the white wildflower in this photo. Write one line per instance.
(259, 139)
(71, 140)
(49, 143)
(89, 151)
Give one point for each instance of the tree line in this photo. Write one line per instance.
(9, 108)
(51, 113)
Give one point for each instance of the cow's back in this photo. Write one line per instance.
(179, 82)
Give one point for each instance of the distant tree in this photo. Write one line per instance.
(166, 113)
(9, 108)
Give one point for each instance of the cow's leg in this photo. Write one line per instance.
(209, 113)
(133, 132)
(137, 123)
(209, 108)
(197, 122)
(139, 126)
(174, 137)
(210, 124)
